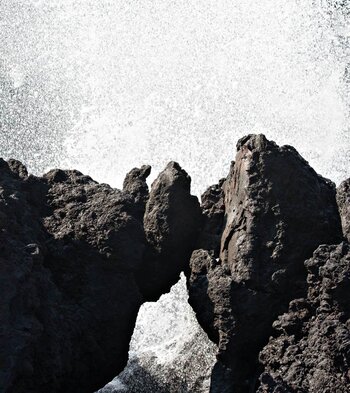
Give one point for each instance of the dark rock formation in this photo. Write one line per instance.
(70, 261)
(311, 353)
(135, 184)
(78, 258)
(310, 349)
(277, 211)
(172, 221)
(343, 199)
(213, 210)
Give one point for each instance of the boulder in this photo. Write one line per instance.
(79, 258)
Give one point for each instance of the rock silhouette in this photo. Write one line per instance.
(343, 199)
(266, 256)
(71, 254)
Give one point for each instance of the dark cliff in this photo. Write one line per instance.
(310, 349)
(72, 252)
(266, 256)
(272, 212)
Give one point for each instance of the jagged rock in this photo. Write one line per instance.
(310, 349)
(213, 211)
(136, 185)
(171, 221)
(78, 258)
(203, 261)
(311, 353)
(343, 199)
(69, 249)
(277, 211)
(70, 253)
(18, 168)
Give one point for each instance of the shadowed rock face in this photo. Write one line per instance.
(78, 258)
(311, 352)
(343, 199)
(71, 254)
(277, 211)
(135, 185)
(172, 221)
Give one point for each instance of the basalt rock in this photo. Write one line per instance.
(310, 348)
(172, 221)
(70, 260)
(78, 258)
(311, 353)
(343, 199)
(277, 212)
(135, 184)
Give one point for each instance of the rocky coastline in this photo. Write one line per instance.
(266, 255)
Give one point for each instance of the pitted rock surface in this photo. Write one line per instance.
(71, 252)
(172, 222)
(78, 258)
(277, 211)
(343, 199)
(311, 353)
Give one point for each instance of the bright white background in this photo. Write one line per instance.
(104, 86)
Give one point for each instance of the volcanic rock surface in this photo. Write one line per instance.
(172, 221)
(310, 349)
(311, 353)
(277, 211)
(343, 199)
(71, 254)
(79, 258)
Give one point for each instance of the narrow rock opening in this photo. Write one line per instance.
(169, 351)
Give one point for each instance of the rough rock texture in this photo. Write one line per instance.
(310, 349)
(343, 199)
(71, 252)
(78, 258)
(277, 211)
(213, 211)
(311, 353)
(135, 184)
(172, 221)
